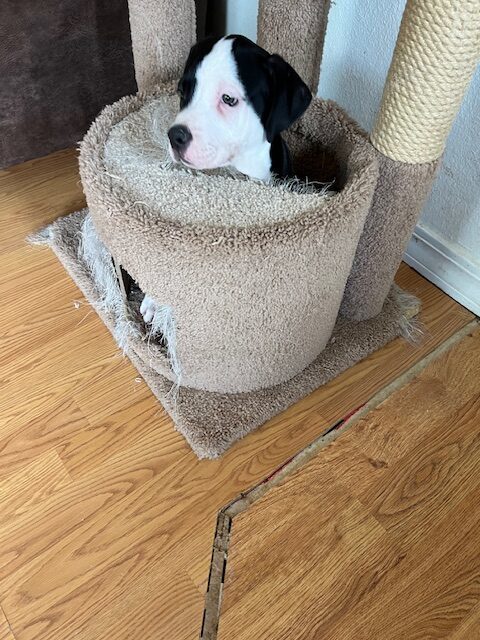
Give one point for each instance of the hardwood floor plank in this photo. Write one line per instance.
(430, 593)
(125, 602)
(430, 480)
(35, 193)
(109, 495)
(113, 390)
(298, 567)
(446, 385)
(49, 311)
(69, 357)
(32, 484)
(292, 585)
(429, 440)
(144, 606)
(105, 437)
(28, 430)
(369, 451)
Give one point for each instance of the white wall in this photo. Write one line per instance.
(358, 48)
(242, 17)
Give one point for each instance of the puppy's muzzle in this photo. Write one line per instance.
(180, 137)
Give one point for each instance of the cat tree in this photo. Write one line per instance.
(265, 291)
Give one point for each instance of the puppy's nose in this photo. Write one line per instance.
(179, 136)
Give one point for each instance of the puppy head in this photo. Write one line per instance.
(234, 98)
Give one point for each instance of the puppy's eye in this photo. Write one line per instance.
(229, 100)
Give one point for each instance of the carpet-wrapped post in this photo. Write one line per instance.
(162, 34)
(296, 31)
(437, 50)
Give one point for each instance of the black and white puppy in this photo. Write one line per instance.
(235, 99)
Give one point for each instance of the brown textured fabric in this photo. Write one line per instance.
(162, 34)
(253, 305)
(397, 204)
(61, 61)
(296, 31)
(212, 422)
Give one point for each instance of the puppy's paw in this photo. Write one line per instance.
(147, 309)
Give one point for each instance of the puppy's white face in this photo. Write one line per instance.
(224, 128)
(235, 98)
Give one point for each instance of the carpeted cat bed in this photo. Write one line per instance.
(250, 275)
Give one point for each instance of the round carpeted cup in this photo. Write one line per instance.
(253, 274)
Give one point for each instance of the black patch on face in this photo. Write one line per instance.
(188, 81)
(274, 89)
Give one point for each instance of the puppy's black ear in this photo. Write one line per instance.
(288, 98)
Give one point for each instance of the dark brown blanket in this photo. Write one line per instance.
(61, 61)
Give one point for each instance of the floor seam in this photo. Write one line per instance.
(2, 610)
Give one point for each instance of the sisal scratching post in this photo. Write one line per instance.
(436, 55)
(437, 50)
(296, 31)
(162, 35)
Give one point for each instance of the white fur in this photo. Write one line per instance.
(223, 135)
(148, 308)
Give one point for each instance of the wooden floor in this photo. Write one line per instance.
(378, 536)
(106, 516)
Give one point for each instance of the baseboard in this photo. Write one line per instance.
(447, 265)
